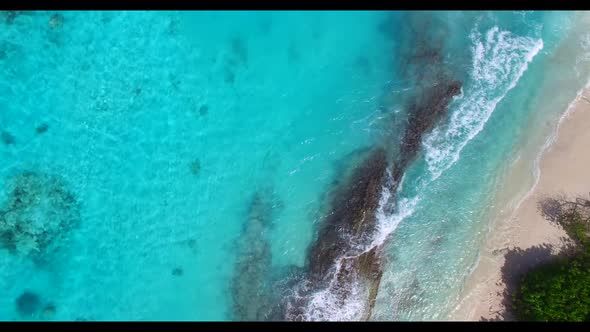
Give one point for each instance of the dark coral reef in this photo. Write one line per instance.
(38, 215)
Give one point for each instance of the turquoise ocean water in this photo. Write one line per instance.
(133, 143)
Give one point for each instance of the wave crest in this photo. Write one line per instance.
(499, 60)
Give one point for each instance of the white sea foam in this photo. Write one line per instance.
(498, 63)
(499, 60)
(326, 304)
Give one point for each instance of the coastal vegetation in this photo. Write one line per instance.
(560, 290)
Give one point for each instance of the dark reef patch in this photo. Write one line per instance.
(7, 138)
(387, 26)
(237, 58)
(136, 91)
(174, 81)
(173, 26)
(192, 243)
(239, 51)
(203, 110)
(7, 241)
(28, 304)
(10, 16)
(5, 49)
(48, 311)
(56, 21)
(229, 76)
(195, 167)
(42, 128)
(177, 271)
(38, 215)
(251, 286)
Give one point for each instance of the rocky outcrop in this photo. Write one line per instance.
(341, 257)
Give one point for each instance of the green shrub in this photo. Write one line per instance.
(559, 291)
(575, 226)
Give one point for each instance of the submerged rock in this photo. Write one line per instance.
(42, 128)
(229, 76)
(424, 113)
(177, 271)
(337, 259)
(56, 21)
(10, 16)
(28, 304)
(195, 166)
(7, 138)
(239, 51)
(48, 311)
(350, 216)
(203, 110)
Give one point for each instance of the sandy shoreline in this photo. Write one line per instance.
(522, 237)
